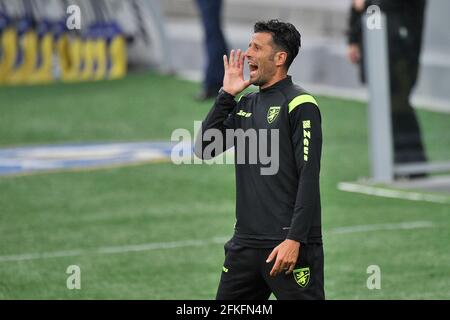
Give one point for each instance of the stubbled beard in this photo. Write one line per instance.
(262, 80)
(259, 82)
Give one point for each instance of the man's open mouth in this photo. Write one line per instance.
(253, 68)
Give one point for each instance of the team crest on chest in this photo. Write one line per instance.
(273, 113)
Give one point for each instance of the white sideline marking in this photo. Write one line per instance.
(380, 227)
(116, 249)
(200, 243)
(390, 193)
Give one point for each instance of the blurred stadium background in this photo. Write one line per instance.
(110, 95)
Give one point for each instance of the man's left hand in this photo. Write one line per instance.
(286, 254)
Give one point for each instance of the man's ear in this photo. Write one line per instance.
(280, 58)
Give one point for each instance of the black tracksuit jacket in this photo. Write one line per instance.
(285, 205)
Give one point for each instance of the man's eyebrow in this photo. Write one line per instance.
(256, 44)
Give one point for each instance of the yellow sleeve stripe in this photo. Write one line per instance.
(242, 96)
(300, 100)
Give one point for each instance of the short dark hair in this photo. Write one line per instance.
(284, 35)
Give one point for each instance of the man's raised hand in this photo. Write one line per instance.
(233, 81)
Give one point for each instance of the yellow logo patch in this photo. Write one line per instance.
(273, 113)
(302, 276)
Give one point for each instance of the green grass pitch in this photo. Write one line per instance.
(159, 203)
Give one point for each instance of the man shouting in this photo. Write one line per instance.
(277, 242)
